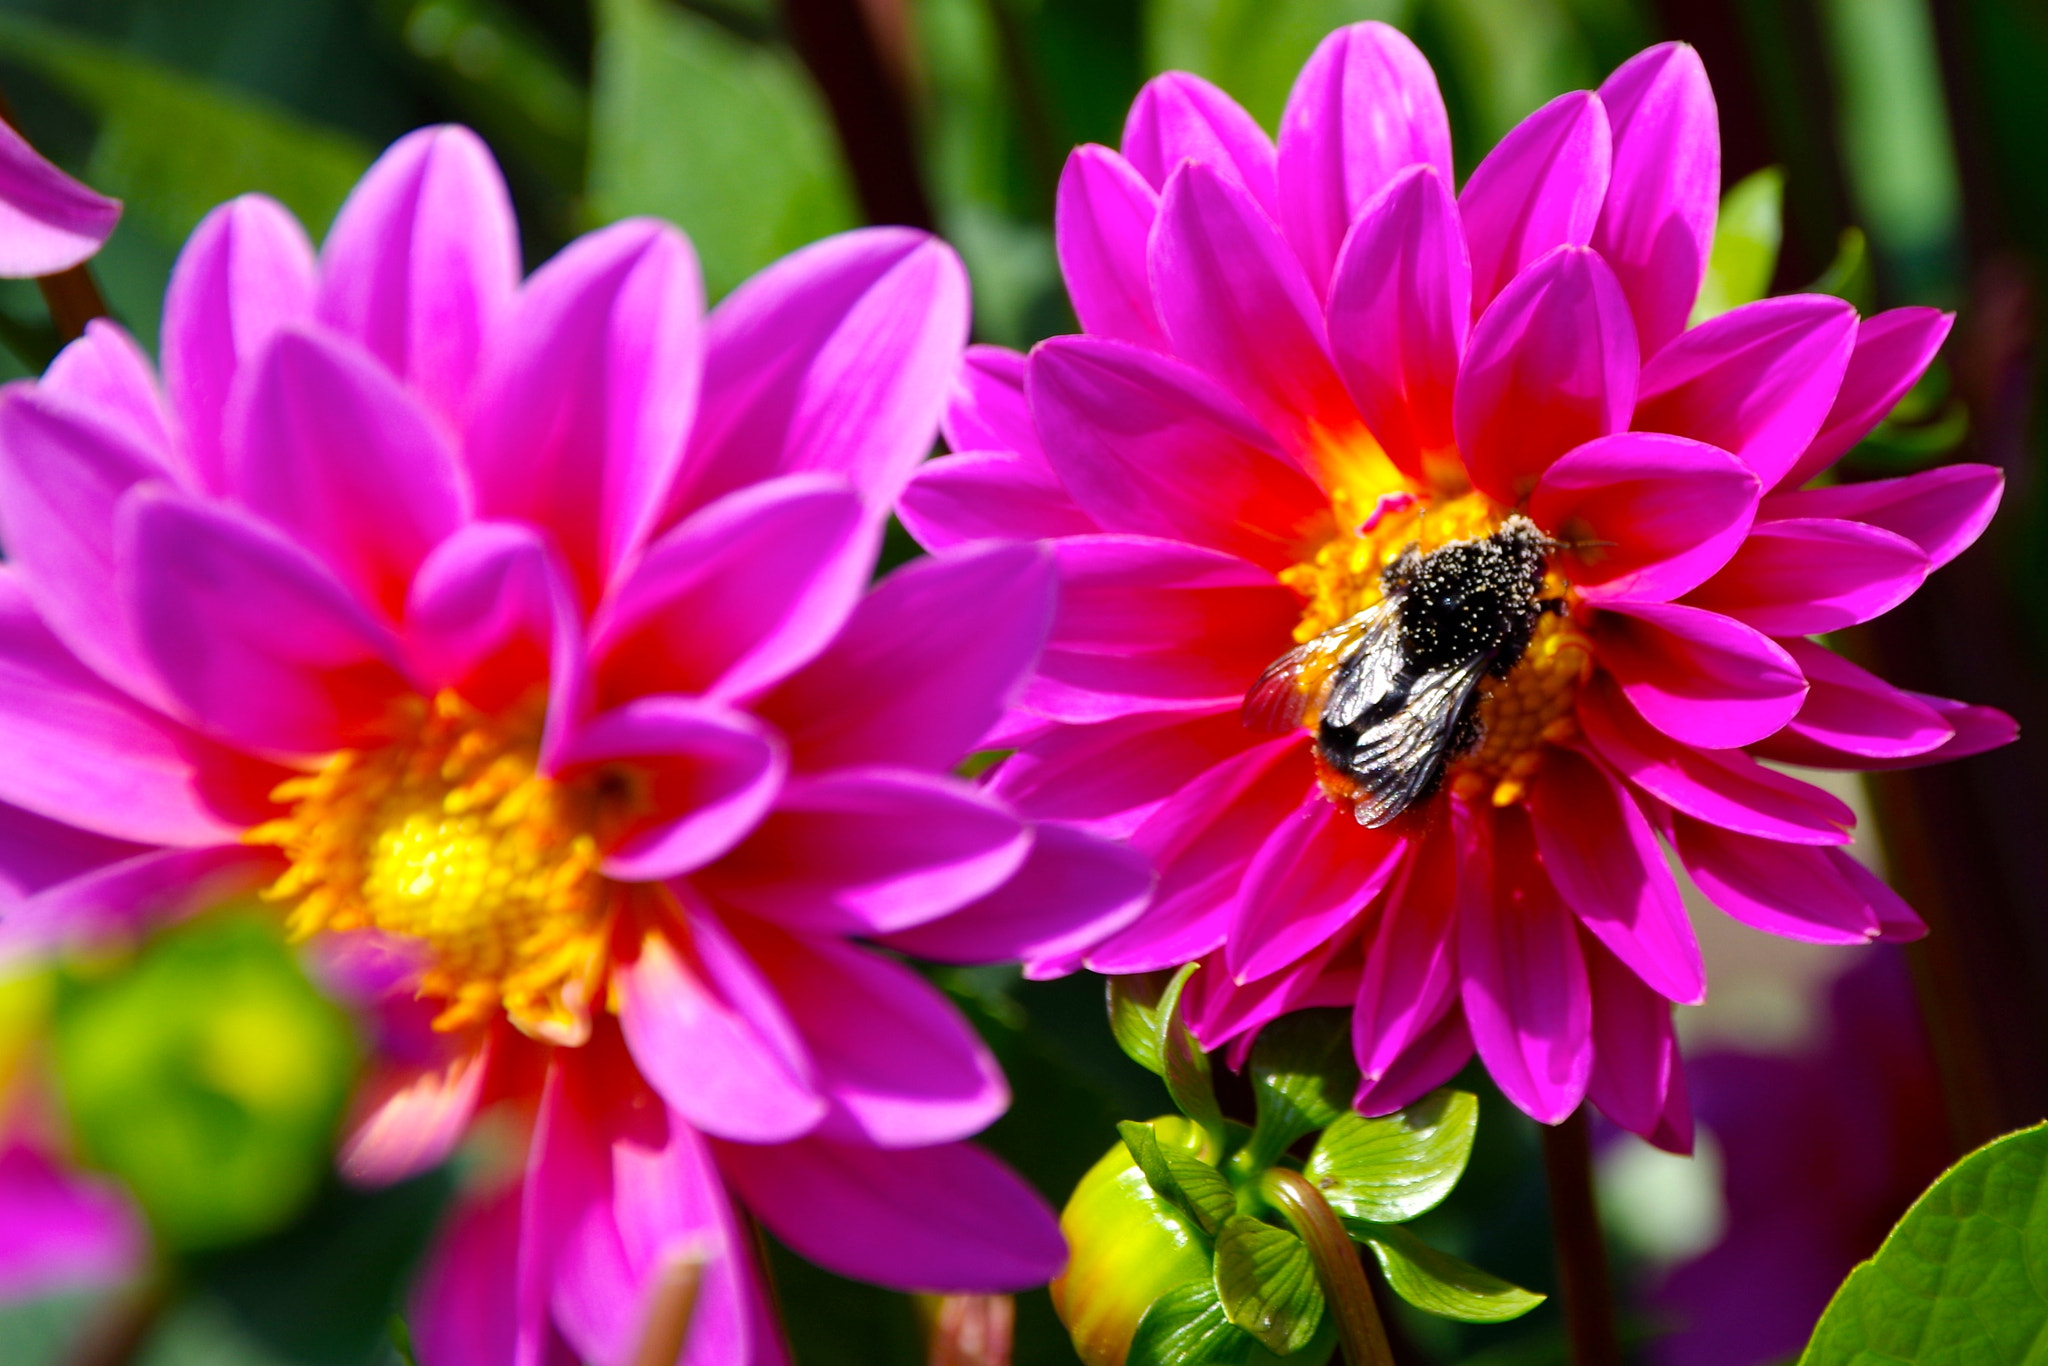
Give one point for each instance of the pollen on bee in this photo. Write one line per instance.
(1523, 714)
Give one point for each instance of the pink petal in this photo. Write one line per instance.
(1657, 224)
(65, 1230)
(1180, 117)
(899, 1065)
(583, 409)
(1236, 304)
(1896, 921)
(1365, 108)
(1722, 787)
(1433, 1059)
(836, 358)
(48, 221)
(423, 261)
(707, 1030)
(1943, 511)
(1400, 309)
(64, 890)
(1851, 709)
(739, 594)
(333, 450)
(1893, 349)
(1605, 862)
(260, 643)
(986, 409)
(1524, 979)
(105, 373)
(985, 495)
(409, 1116)
(38, 854)
(871, 851)
(246, 270)
(1551, 365)
(1757, 380)
(459, 1310)
(1976, 729)
(1313, 876)
(1784, 889)
(1798, 576)
(1145, 445)
(1102, 219)
(1701, 678)
(925, 665)
(710, 774)
(1645, 517)
(1110, 777)
(948, 1218)
(1221, 1011)
(1540, 188)
(1637, 1074)
(1411, 972)
(1150, 625)
(1073, 891)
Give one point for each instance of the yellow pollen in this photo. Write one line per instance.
(447, 835)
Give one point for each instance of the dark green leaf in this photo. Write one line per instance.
(1266, 1281)
(1964, 1276)
(1438, 1283)
(1391, 1169)
(1746, 238)
(1849, 275)
(1303, 1075)
(1187, 1327)
(1138, 1007)
(1205, 1191)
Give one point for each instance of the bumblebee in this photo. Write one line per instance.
(1393, 692)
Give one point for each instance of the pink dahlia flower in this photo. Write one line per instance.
(1302, 362)
(48, 221)
(517, 639)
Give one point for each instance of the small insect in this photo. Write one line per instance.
(1393, 692)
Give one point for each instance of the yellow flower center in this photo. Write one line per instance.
(447, 835)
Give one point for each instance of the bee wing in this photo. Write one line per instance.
(1372, 669)
(1397, 757)
(1290, 693)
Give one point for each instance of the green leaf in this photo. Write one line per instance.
(1266, 1281)
(1187, 1327)
(1393, 1168)
(1964, 1276)
(1187, 1075)
(1746, 238)
(173, 146)
(1303, 1075)
(1438, 1283)
(725, 137)
(1252, 48)
(1849, 275)
(1139, 1005)
(1208, 1195)
(1144, 1146)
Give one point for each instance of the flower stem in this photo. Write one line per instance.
(1359, 1330)
(72, 296)
(1581, 1251)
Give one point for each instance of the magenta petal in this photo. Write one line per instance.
(984, 495)
(1799, 576)
(48, 221)
(458, 1316)
(1645, 517)
(1657, 224)
(1701, 678)
(1109, 777)
(1145, 445)
(259, 642)
(1236, 304)
(410, 1115)
(707, 1030)
(1102, 220)
(1893, 349)
(1851, 709)
(1976, 729)
(1313, 876)
(423, 261)
(1364, 108)
(1897, 922)
(332, 449)
(1221, 1011)
(1433, 1059)
(1399, 313)
(65, 1230)
(37, 855)
(1540, 188)
(1411, 975)
(1180, 117)
(106, 374)
(739, 594)
(925, 664)
(871, 851)
(246, 270)
(1757, 380)
(944, 1218)
(1551, 365)
(1943, 511)
(1074, 890)
(1605, 862)
(1783, 889)
(90, 893)
(986, 409)
(836, 359)
(1637, 1074)
(1524, 980)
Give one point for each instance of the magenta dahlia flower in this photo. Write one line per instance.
(48, 221)
(1308, 370)
(517, 640)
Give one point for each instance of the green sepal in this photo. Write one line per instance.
(1438, 1283)
(1303, 1074)
(1267, 1283)
(1139, 1006)
(1187, 1075)
(1145, 1151)
(1747, 234)
(1390, 1169)
(1207, 1194)
(1187, 1327)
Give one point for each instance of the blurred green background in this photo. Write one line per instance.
(757, 127)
